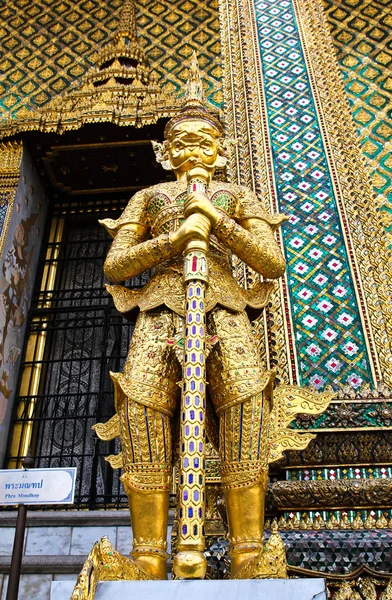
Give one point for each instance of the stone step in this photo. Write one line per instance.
(273, 589)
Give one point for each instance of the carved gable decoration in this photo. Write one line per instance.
(120, 89)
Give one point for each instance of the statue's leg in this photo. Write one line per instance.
(147, 483)
(146, 395)
(240, 391)
(244, 478)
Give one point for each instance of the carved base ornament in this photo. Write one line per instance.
(343, 493)
(193, 351)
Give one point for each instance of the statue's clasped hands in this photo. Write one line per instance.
(198, 203)
(201, 215)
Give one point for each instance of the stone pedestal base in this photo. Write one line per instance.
(268, 589)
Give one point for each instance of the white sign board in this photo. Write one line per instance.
(37, 486)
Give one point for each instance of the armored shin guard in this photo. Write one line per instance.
(244, 479)
(148, 487)
(245, 511)
(146, 445)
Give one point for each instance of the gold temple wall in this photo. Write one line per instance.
(361, 32)
(49, 45)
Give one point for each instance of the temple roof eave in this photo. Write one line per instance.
(52, 121)
(112, 104)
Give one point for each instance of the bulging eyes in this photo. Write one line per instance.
(205, 146)
(208, 148)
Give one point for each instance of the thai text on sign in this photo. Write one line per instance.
(37, 486)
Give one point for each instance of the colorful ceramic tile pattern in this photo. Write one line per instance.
(48, 45)
(340, 551)
(330, 341)
(4, 202)
(362, 34)
(333, 552)
(335, 473)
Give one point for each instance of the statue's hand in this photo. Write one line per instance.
(196, 202)
(196, 226)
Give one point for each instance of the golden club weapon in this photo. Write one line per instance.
(190, 562)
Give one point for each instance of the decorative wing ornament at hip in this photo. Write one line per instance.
(288, 402)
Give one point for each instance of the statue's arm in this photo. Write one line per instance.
(253, 241)
(132, 253)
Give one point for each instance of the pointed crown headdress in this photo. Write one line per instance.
(194, 102)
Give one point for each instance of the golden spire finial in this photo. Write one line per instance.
(194, 93)
(193, 102)
(127, 24)
(123, 56)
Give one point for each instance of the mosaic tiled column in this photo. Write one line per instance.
(362, 35)
(329, 333)
(329, 323)
(193, 402)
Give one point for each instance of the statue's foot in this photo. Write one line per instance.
(153, 566)
(267, 563)
(104, 563)
(114, 566)
(240, 563)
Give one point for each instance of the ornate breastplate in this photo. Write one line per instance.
(165, 211)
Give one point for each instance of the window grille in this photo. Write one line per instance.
(74, 338)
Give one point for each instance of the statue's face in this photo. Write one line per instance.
(193, 144)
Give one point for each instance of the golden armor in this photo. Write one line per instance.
(152, 233)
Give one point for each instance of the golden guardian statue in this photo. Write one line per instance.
(193, 327)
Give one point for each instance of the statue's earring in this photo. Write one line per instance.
(161, 155)
(221, 162)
